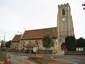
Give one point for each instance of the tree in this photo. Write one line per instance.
(70, 43)
(80, 42)
(2, 44)
(8, 44)
(47, 41)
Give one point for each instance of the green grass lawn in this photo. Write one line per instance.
(2, 55)
(2, 58)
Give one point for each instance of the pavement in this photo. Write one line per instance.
(18, 58)
(22, 58)
(75, 59)
(52, 61)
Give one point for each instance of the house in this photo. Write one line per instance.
(15, 41)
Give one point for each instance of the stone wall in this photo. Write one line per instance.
(75, 53)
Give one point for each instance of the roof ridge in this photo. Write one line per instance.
(18, 34)
(41, 29)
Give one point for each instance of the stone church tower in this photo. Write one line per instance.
(64, 23)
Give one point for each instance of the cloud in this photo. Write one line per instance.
(33, 14)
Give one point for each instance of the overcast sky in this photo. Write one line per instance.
(20, 15)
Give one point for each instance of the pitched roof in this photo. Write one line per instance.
(16, 38)
(29, 45)
(39, 33)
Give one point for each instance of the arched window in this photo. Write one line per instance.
(63, 11)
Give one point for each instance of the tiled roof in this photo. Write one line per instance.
(16, 38)
(39, 33)
(29, 45)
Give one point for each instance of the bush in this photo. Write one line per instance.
(70, 43)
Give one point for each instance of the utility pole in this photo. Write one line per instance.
(4, 37)
(4, 40)
(5, 49)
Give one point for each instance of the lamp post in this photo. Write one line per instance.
(4, 40)
(3, 51)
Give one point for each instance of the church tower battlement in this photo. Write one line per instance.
(67, 4)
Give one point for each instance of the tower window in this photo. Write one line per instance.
(63, 11)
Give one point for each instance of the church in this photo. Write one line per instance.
(63, 29)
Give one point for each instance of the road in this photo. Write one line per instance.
(21, 58)
(75, 59)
